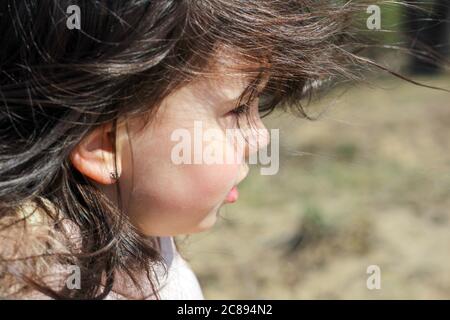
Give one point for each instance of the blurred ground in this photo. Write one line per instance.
(367, 184)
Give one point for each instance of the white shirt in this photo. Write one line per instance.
(176, 281)
(180, 282)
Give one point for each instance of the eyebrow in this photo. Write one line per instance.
(261, 83)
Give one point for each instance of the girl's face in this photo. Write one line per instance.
(163, 197)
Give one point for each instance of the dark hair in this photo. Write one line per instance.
(57, 84)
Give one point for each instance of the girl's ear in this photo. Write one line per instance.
(94, 156)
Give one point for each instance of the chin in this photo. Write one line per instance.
(194, 225)
(208, 222)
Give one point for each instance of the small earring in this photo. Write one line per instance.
(113, 175)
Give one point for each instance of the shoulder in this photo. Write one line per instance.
(27, 236)
(173, 278)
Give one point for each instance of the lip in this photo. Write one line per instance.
(233, 195)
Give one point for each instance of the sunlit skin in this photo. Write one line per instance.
(166, 199)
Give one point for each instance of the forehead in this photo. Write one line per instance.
(229, 78)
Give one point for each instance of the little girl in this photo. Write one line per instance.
(91, 93)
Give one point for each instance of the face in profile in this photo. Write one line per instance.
(163, 198)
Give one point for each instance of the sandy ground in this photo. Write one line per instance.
(366, 184)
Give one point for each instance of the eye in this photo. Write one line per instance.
(240, 110)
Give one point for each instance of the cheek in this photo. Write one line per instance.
(189, 189)
(196, 185)
(182, 202)
(210, 183)
(176, 197)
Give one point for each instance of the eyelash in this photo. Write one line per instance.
(241, 110)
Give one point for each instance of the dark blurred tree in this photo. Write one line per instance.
(428, 32)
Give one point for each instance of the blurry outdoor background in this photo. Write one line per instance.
(368, 183)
